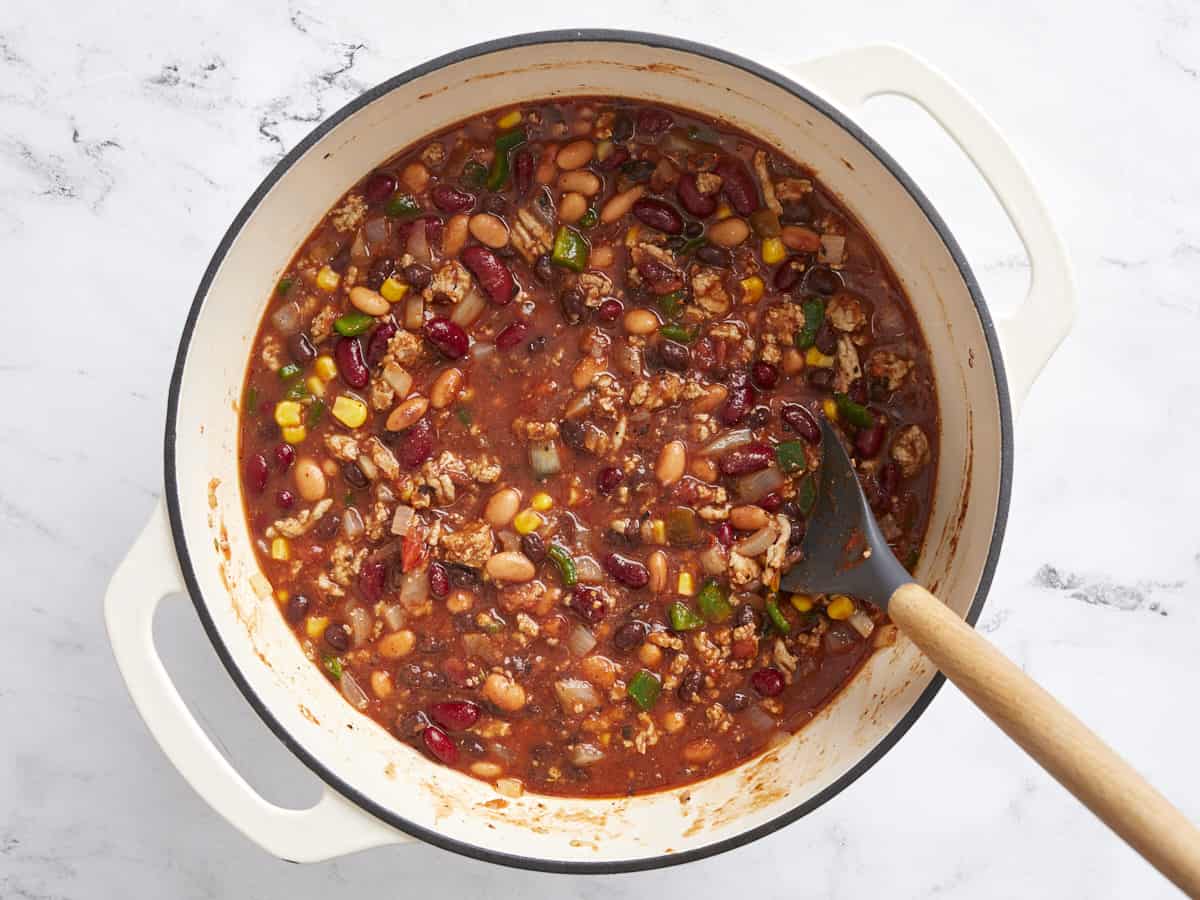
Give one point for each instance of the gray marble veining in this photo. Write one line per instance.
(131, 132)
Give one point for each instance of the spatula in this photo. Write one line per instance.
(845, 552)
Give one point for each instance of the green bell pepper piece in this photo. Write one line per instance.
(806, 494)
(252, 400)
(353, 324)
(315, 412)
(677, 333)
(498, 175)
(564, 563)
(713, 604)
(682, 528)
(285, 285)
(814, 317)
(333, 665)
(289, 371)
(790, 456)
(297, 390)
(671, 304)
(570, 250)
(776, 617)
(474, 175)
(401, 206)
(857, 415)
(683, 617)
(589, 218)
(644, 689)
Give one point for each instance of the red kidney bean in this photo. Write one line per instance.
(450, 199)
(609, 479)
(823, 280)
(771, 502)
(439, 580)
(491, 272)
(662, 278)
(371, 580)
(724, 534)
(511, 334)
(416, 444)
(587, 603)
(869, 441)
(337, 637)
(522, 172)
(652, 121)
(715, 256)
(740, 401)
(613, 160)
(610, 310)
(257, 471)
(765, 375)
(418, 276)
(658, 214)
(285, 499)
(378, 343)
(439, 744)
(787, 276)
(738, 185)
(744, 460)
(296, 609)
(301, 349)
(379, 187)
(448, 337)
(433, 232)
(802, 421)
(674, 355)
(629, 635)
(455, 715)
(768, 682)
(351, 366)
(697, 204)
(285, 455)
(629, 572)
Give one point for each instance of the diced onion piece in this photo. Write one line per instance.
(414, 590)
(360, 253)
(287, 318)
(713, 559)
(581, 641)
(483, 647)
(376, 230)
(579, 404)
(367, 467)
(360, 626)
(833, 249)
(402, 519)
(759, 719)
(510, 787)
(398, 379)
(544, 458)
(861, 623)
(584, 755)
(393, 616)
(753, 487)
(418, 242)
(414, 312)
(481, 350)
(352, 523)
(354, 694)
(759, 541)
(730, 440)
(576, 696)
(588, 571)
(469, 309)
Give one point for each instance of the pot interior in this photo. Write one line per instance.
(354, 754)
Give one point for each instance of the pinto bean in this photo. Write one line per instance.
(619, 204)
(502, 506)
(368, 301)
(671, 462)
(581, 181)
(407, 413)
(505, 693)
(575, 155)
(489, 229)
(510, 566)
(446, 388)
(455, 235)
(728, 233)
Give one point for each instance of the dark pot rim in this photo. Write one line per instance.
(171, 436)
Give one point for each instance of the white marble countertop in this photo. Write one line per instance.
(130, 133)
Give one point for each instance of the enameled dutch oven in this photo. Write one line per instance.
(379, 791)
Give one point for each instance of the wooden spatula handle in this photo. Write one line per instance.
(1048, 732)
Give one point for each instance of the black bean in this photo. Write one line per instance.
(689, 686)
(328, 527)
(380, 271)
(823, 280)
(826, 339)
(495, 204)
(759, 416)
(630, 635)
(418, 276)
(738, 701)
(354, 475)
(544, 270)
(693, 230)
(674, 355)
(572, 433)
(795, 212)
(297, 608)
(533, 547)
(301, 349)
(714, 256)
(572, 305)
(337, 637)
(745, 615)
(462, 576)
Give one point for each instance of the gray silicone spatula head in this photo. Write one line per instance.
(843, 549)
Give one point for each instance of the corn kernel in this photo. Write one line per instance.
(830, 409)
(802, 602)
(294, 434)
(687, 585)
(509, 120)
(287, 413)
(815, 357)
(325, 368)
(658, 531)
(752, 289)
(349, 411)
(315, 386)
(631, 236)
(393, 291)
(723, 211)
(541, 501)
(328, 280)
(280, 549)
(840, 607)
(527, 521)
(315, 626)
(773, 251)
(282, 595)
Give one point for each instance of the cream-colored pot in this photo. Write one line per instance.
(380, 791)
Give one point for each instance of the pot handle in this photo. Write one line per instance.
(1032, 333)
(332, 827)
